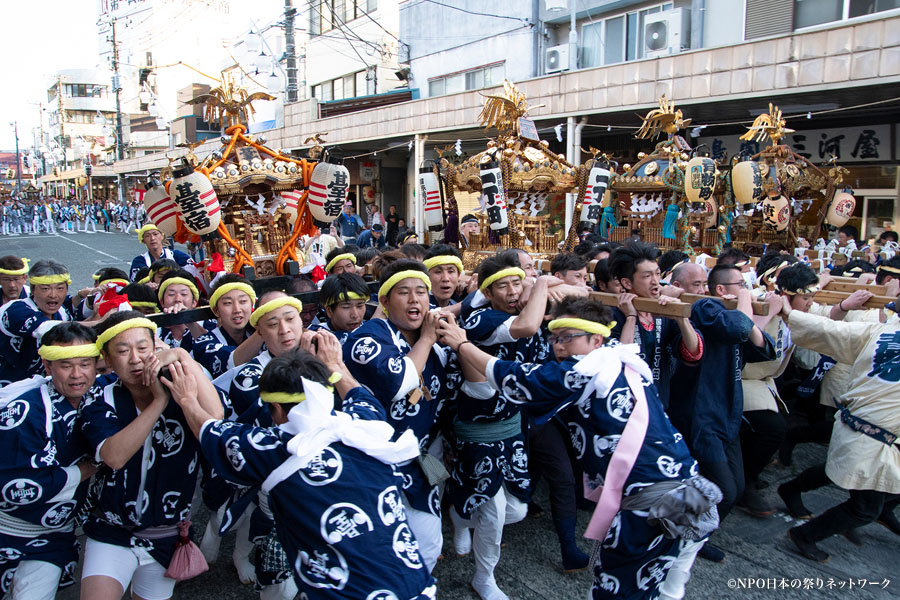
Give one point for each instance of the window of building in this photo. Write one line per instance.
(617, 38)
(325, 15)
(348, 86)
(808, 13)
(84, 90)
(473, 79)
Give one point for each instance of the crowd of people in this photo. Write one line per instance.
(52, 215)
(333, 436)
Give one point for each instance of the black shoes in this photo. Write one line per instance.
(794, 502)
(754, 503)
(711, 553)
(807, 547)
(887, 519)
(785, 453)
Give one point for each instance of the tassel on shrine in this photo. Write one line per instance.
(668, 230)
(607, 221)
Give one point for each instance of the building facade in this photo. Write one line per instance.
(835, 72)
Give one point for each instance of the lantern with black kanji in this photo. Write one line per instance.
(700, 181)
(747, 183)
(776, 212)
(598, 182)
(328, 191)
(161, 210)
(193, 194)
(432, 195)
(494, 196)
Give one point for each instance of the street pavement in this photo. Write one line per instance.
(760, 560)
(83, 253)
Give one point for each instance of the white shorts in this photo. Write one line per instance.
(128, 565)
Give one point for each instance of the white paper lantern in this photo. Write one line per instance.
(196, 199)
(494, 197)
(700, 180)
(747, 182)
(776, 212)
(161, 210)
(291, 201)
(598, 182)
(841, 209)
(327, 192)
(431, 194)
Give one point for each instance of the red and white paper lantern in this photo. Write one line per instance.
(289, 205)
(494, 197)
(598, 182)
(841, 209)
(161, 210)
(327, 192)
(431, 194)
(197, 203)
(776, 212)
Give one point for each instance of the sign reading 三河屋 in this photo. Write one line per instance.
(847, 144)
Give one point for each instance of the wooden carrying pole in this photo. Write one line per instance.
(674, 310)
(840, 286)
(832, 297)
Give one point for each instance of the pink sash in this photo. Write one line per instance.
(609, 497)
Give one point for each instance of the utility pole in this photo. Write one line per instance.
(290, 50)
(120, 149)
(41, 130)
(62, 122)
(18, 160)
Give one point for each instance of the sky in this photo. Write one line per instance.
(41, 37)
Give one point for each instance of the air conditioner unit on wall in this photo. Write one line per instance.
(665, 33)
(556, 59)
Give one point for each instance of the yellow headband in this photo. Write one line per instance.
(22, 271)
(339, 258)
(289, 398)
(115, 280)
(152, 273)
(52, 353)
(436, 261)
(115, 330)
(500, 275)
(50, 279)
(582, 324)
(228, 287)
(396, 278)
(145, 229)
(347, 297)
(178, 280)
(95, 277)
(271, 305)
(742, 263)
(143, 304)
(765, 275)
(810, 290)
(855, 270)
(881, 268)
